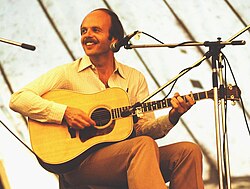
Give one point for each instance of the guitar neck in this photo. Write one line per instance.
(160, 104)
(166, 103)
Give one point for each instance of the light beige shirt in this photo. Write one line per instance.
(81, 75)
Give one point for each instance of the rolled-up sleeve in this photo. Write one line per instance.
(35, 107)
(29, 102)
(153, 127)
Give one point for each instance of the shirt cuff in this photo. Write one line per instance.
(57, 112)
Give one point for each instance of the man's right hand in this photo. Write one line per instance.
(77, 119)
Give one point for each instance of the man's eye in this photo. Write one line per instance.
(96, 30)
(83, 30)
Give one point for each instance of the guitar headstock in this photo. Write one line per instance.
(231, 92)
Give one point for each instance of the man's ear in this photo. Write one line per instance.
(114, 40)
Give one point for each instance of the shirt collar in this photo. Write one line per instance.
(85, 63)
(119, 70)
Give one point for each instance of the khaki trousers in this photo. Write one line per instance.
(138, 163)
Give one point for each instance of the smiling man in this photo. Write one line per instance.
(135, 162)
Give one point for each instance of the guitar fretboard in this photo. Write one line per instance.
(156, 105)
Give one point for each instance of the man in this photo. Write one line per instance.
(134, 163)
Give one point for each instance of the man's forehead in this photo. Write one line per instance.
(97, 16)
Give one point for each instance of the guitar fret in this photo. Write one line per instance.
(206, 94)
(169, 102)
(116, 113)
(202, 95)
(163, 102)
(145, 106)
(112, 114)
(194, 96)
(198, 96)
(149, 107)
(127, 108)
(153, 105)
(119, 112)
(159, 104)
(124, 109)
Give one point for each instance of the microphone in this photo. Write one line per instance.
(115, 47)
(23, 45)
(27, 46)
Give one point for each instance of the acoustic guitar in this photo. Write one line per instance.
(60, 148)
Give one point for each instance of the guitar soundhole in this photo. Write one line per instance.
(101, 116)
(104, 124)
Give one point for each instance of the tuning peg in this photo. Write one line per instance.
(233, 103)
(230, 86)
(231, 97)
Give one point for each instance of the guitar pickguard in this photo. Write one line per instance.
(90, 132)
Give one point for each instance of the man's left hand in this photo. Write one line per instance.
(179, 107)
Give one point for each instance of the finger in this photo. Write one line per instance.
(88, 121)
(78, 122)
(174, 102)
(177, 107)
(76, 125)
(190, 100)
(181, 100)
(182, 103)
(176, 94)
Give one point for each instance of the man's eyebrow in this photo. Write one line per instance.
(84, 27)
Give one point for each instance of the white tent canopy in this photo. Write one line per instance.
(53, 27)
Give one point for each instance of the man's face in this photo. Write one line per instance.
(95, 33)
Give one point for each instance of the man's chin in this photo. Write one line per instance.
(89, 52)
(94, 53)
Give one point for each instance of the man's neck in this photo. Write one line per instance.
(105, 66)
(104, 63)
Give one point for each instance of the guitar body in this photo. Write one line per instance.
(59, 150)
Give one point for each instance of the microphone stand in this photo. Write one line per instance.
(28, 47)
(214, 52)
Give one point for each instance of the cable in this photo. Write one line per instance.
(241, 100)
(152, 37)
(180, 44)
(19, 139)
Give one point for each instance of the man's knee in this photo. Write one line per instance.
(147, 141)
(146, 144)
(192, 149)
